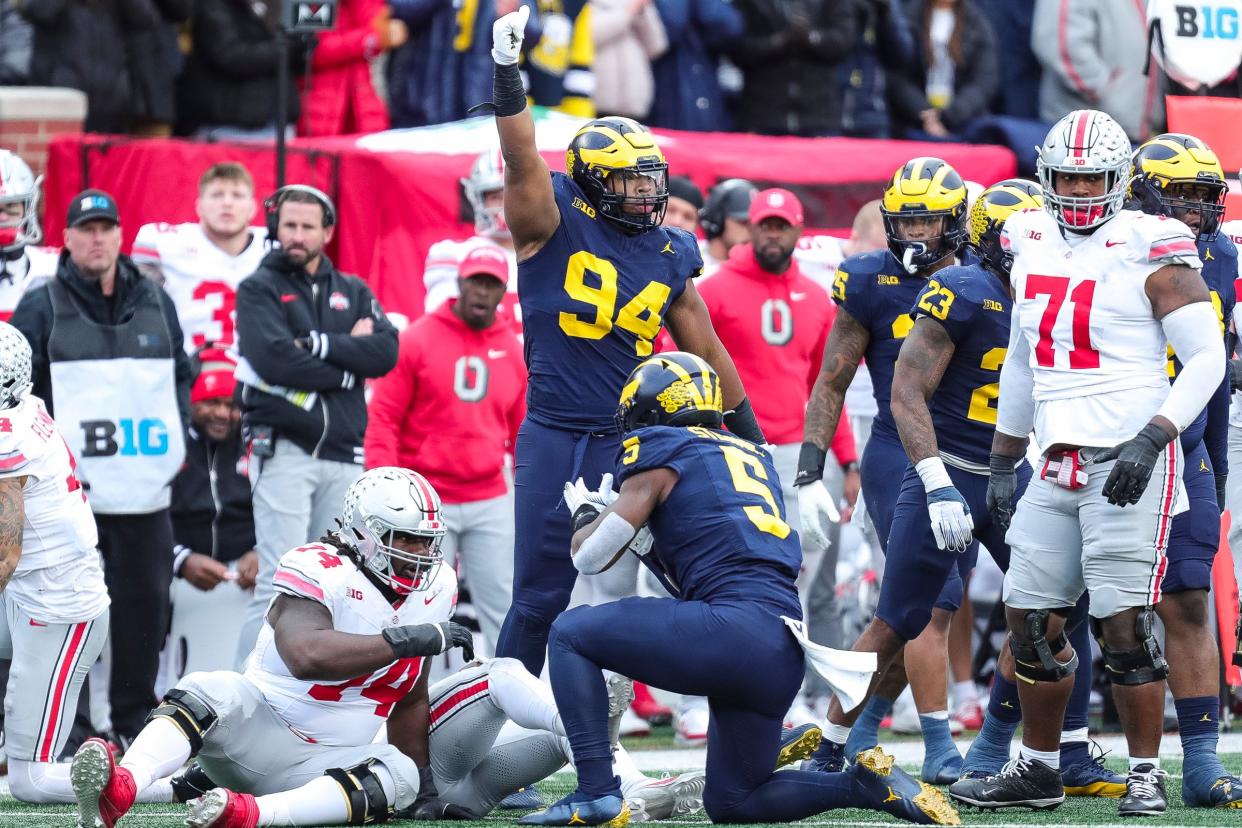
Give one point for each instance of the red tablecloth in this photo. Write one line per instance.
(394, 205)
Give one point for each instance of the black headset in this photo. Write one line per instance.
(712, 216)
(271, 206)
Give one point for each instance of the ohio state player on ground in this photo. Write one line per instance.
(20, 261)
(342, 650)
(485, 190)
(55, 604)
(202, 263)
(1100, 292)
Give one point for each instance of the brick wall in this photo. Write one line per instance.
(31, 116)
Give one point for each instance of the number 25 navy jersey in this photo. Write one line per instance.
(593, 300)
(721, 534)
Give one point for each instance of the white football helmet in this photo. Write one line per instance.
(14, 366)
(1085, 141)
(383, 503)
(18, 186)
(487, 175)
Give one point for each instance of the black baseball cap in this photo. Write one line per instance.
(92, 204)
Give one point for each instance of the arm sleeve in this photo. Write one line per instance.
(1194, 333)
(1065, 37)
(265, 341)
(1015, 414)
(369, 356)
(390, 405)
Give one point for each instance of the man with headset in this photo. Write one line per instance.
(308, 337)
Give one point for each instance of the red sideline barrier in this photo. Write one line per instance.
(1225, 594)
(394, 205)
(1214, 121)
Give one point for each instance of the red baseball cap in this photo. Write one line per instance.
(777, 203)
(487, 260)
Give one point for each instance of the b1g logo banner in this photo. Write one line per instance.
(1199, 44)
(127, 437)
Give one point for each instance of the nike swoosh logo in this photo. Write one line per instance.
(1111, 243)
(493, 354)
(35, 623)
(427, 601)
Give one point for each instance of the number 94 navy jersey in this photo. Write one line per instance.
(721, 534)
(593, 300)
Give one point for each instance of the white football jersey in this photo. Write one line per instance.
(1098, 355)
(440, 275)
(35, 263)
(818, 258)
(1233, 229)
(200, 278)
(344, 712)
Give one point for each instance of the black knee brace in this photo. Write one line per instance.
(191, 783)
(1036, 660)
(363, 792)
(192, 716)
(1140, 665)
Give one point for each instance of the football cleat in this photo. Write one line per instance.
(970, 714)
(1092, 778)
(672, 796)
(828, 758)
(692, 722)
(886, 787)
(610, 811)
(1145, 792)
(620, 694)
(798, 743)
(221, 808)
(1225, 792)
(104, 791)
(633, 725)
(1022, 783)
(523, 799)
(648, 707)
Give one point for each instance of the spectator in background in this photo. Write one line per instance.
(687, 88)
(789, 52)
(885, 43)
(1093, 54)
(155, 62)
(725, 218)
(21, 262)
(16, 39)
(229, 84)
(451, 409)
(110, 362)
(81, 44)
(953, 76)
(213, 524)
(628, 36)
(685, 200)
(1018, 74)
(560, 65)
(338, 97)
(308, 336)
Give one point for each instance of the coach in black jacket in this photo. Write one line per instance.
(308, 337)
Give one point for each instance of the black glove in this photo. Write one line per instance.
(741, 421)
(1002, 485)
(1235, 375)
(1136, 458)
(1222, 481)
(428, 805)
(414, 640)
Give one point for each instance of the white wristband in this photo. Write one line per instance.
(933, 473)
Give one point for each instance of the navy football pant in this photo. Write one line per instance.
(917, 574)
(738, 654)
(543, 574)
(1195, 536)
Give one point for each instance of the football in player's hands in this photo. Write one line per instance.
(507, 35)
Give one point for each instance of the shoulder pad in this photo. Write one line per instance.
(313, 571)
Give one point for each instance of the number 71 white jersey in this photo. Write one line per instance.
(1097, 352)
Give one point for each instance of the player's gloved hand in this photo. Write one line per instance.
(1136, 458)
(414, 640)
(817, 511)
(1235, 375)
(1002, 486)
(428, 805)
(507, 34)
(951, 522)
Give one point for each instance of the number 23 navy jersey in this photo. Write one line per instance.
(721, 533)
(593, 300)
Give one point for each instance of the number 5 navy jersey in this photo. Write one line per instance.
(721, 534)
(593, 299)
(974, 308)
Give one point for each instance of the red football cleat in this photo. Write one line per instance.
(646, 706)
(105, 791)
(221, 808)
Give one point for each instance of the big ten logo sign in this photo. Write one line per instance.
(470, 379)
(126, 437)
(1207, 22)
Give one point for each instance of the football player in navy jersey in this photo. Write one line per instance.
(597, 278)
(711, 516)
(1180, 176)
(924, 210)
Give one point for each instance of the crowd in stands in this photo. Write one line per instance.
(989, 71)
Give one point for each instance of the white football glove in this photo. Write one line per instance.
(507, 34)
(951, 521)
(817, 511)
(577, 494)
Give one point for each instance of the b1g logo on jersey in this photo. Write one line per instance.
(470, 379)
(776, 322)
(126, 437)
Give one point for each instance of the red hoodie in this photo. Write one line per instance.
(452, 406)
(774, 326)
